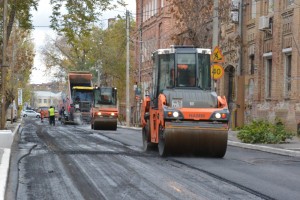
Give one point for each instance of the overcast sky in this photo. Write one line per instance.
(41, 21)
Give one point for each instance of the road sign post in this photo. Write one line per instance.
(217, 56)
(216, 71)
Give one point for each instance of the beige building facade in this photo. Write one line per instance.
(47, 99)
(271, 36)
(156, 25)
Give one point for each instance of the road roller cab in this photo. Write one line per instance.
(181, 114)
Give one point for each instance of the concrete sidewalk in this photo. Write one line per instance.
(5, 150)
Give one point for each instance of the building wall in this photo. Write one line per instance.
(157, 28)
(267, 94)
(275, 93)
(47, 99)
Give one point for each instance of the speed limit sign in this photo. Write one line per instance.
(216, 71)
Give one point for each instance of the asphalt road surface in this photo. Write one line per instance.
(75, 162)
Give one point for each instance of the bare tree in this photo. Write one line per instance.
(193, 19)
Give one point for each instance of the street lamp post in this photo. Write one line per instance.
(127, 71)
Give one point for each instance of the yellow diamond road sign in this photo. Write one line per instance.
(216, 71)
(217, 56)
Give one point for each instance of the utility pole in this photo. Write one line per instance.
(141, 41)
(3, 67)
(98, 78)
(98, 73)
(215, 40)
(240, 71)
(139, 86)
(241, 77)
(127, 71)
(215, 24)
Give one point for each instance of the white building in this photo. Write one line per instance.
(47, 99)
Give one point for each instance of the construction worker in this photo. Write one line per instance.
(51, 116)
(42, 115)
(62, 114)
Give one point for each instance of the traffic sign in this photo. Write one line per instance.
(216, 71)
(217, 56)
(20, 96)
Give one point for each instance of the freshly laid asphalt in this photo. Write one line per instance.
(288, 148)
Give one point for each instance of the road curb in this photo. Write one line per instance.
(285, 152)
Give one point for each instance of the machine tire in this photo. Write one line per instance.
(96, 127)
(220, 154)
(221, 151)
(161, 142)
(147, 145)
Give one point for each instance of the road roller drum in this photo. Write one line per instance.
(192, 141)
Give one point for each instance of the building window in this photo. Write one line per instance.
(144, 12)
(288, 74)
(268, 78)
(159, 34)
(253, 9)
(268, 7)
(40, 100)
(45, 100)
(153, 8)
(288, 3)
(252, 66)
(271, 6)
(147, 11)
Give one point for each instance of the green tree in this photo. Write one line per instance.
(20, 54)
(18, 10)
(74, 20)
(102, 49)
(74, 25)
(113, 55)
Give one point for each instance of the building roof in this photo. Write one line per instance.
(47, 94)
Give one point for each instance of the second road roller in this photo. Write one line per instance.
(180, 113)
(104, 111)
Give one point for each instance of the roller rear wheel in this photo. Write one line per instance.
(147, 144)
(162, 142)
(92, 125)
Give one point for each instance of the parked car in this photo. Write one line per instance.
(30, 113)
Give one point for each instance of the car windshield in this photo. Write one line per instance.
(82, 95)
(186, 70)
